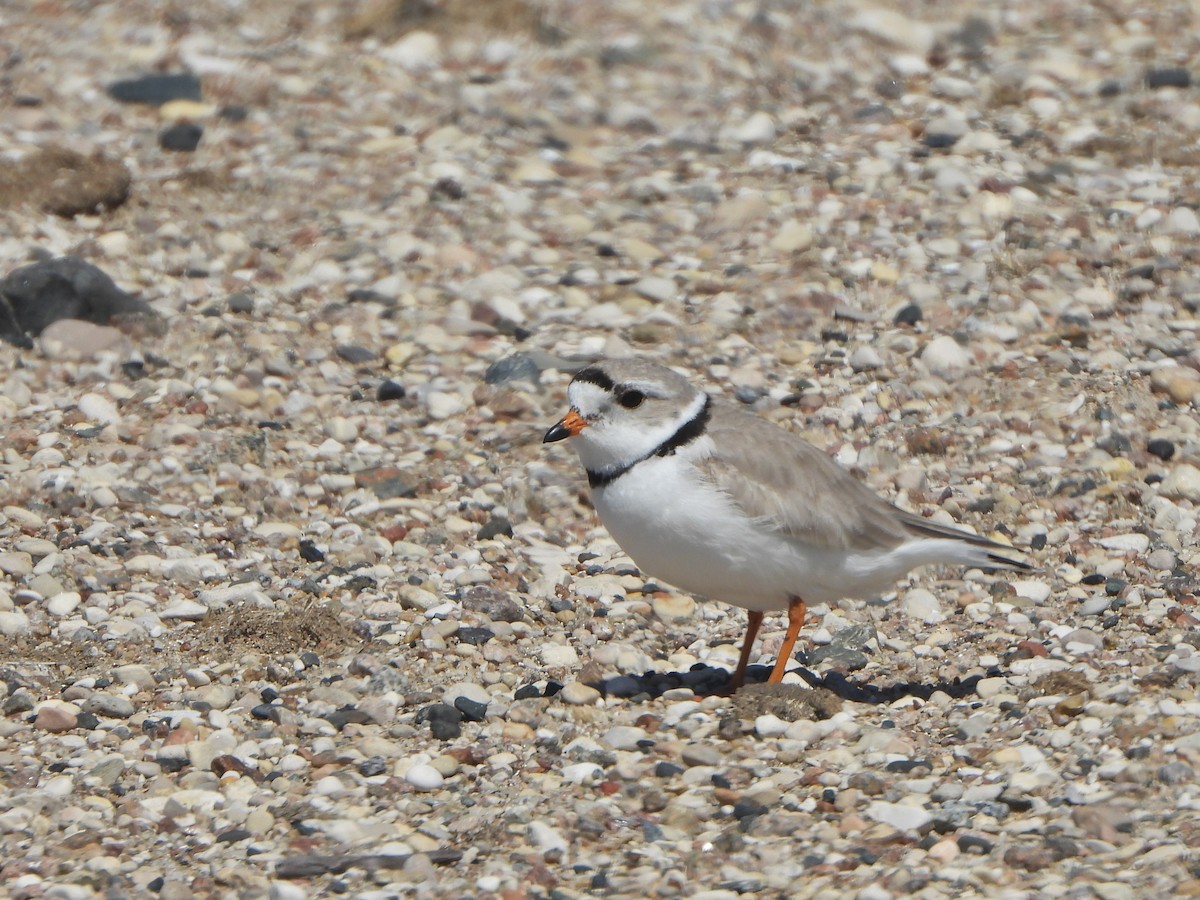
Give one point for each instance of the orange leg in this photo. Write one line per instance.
(754, 619)
(796, 613)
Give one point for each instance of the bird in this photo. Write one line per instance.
(725, 504)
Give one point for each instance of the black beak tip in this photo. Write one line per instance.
(557, 432)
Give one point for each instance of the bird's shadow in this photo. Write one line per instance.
(710, 681)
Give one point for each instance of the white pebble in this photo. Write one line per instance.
(769, 726)
(943, 356)
(98, 408)
(899, 815)
(424, 777)
(923, 606)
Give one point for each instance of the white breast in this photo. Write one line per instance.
(680, 530)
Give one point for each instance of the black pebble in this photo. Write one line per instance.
(156, 89)
(353, 353)
(936, 140)
(66, 287)
(389, 390)
(310, 659)
(1038, 542)
(1114, 586)
(445, 722)
(744, 808)
(552, 688)
(1161, 447)
(969, 842)
(269, 694)
(233, 835)
(667, 770)
(1093, 579)
(372, 765)
(528, 692)
(623, 686)
(87, 721)
(1173, 76)
(182, 137)
(908, 315)
(494, 526)
(240, 303)
(267, 712)
(904, 766)
(476, 637)
(310, 552)
(472, 710)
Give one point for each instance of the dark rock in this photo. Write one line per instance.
(472, 710)
(746, 807)
(445, 722)
(493, 603)
(156, 89)
(1161, 447)
(1172, 76)
(67, 287)
(267, 712)
(64, 182)
(182, 137)
(526, 692)
(372, 766)
(233, 835)
(389, 390)
(494, 526)
(667, 770)
(476, 637)
(908, 315)
(905, 766)
(352, 353)
(227, 762)
(240, 303)
(310, 552)
(974, 842)
(1176, 773)
(623, 686)
(87, 720)
(1038, 541)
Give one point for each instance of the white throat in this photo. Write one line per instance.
(607, 445)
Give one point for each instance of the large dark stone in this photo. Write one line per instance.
(157, 89)
(36, 295)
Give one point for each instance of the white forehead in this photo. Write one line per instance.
(587, 397)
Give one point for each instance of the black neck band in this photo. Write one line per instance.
(684, 435)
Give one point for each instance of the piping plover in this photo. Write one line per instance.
(720, 502)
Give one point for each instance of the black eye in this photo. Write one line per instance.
(631, 398)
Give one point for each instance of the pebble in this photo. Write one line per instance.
(577, 694)
(424, 777)
(945, 357)
(900, 816)
(922, 605)
(1182, 483)
(701, 755)
(674, 608)
(624, 737)
(559, 656)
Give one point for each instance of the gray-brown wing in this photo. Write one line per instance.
(781, 479)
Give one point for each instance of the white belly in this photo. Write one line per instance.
(692, 537)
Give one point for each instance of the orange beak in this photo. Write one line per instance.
(568, 426)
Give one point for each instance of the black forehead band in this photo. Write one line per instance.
(595, 375)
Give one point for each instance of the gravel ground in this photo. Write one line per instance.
(293, 601)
